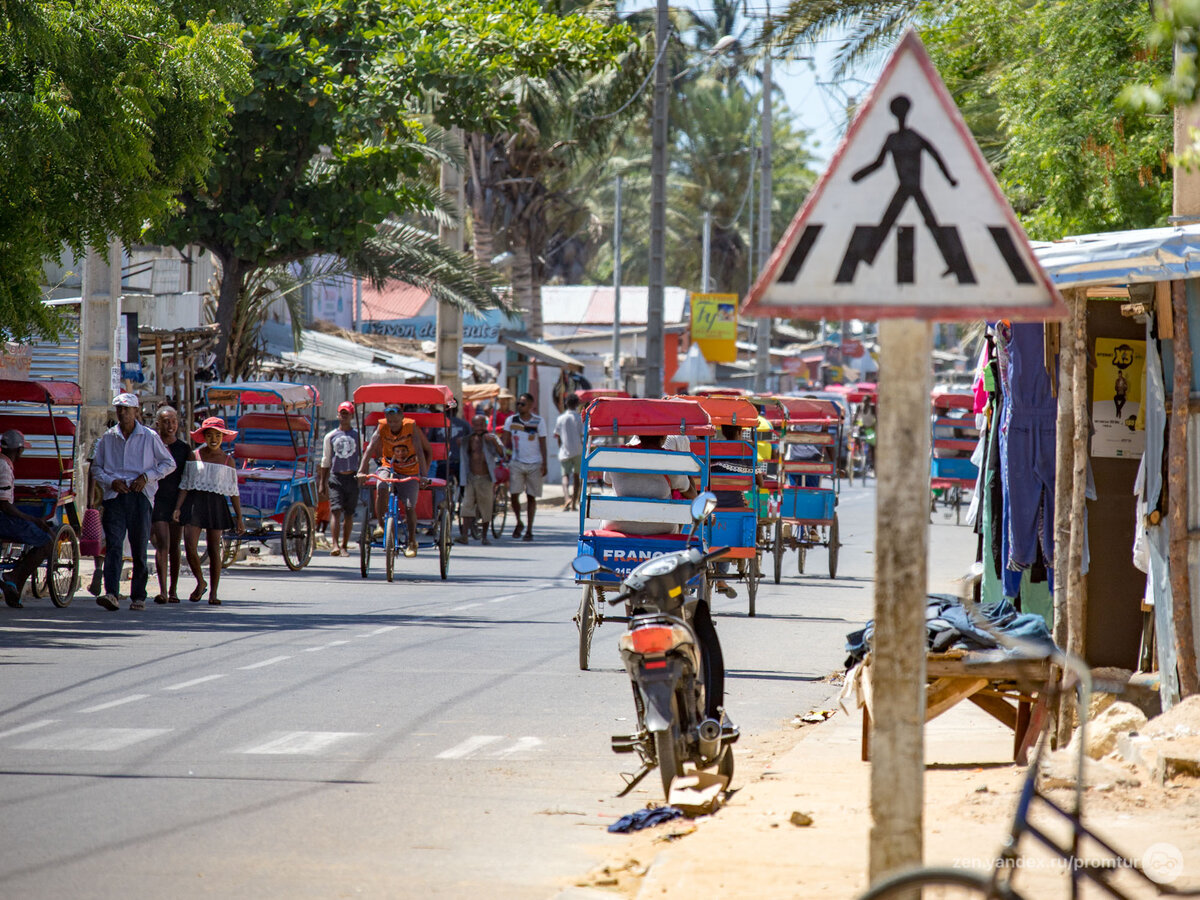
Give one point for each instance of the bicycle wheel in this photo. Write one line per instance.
(586, 620)
(834, 543)
(230, 545)
(62, 567)
(943, 884)
(752, 581)
(389, 547)
(444, 542)
(499, 510)
(299, 535)
(364, 547)
(777, 551)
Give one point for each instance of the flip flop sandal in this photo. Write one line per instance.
(213, 601)
(198, 594)
(160, 599)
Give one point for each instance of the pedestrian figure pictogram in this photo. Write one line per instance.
(906, 147)
(907, 180)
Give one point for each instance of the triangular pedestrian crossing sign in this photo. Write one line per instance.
(907, 220)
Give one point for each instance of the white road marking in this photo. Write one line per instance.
(466, 606)
(301, 742)
(525, 743)
(192, 683)
(382, 630)
(469, 746)
(31, 726)
(111, 703)
(336, 643)
(265, 662)
(92, 739)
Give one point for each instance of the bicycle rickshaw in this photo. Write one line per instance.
(435, 503)
(43, 477)
(808, 512)
(859, 442)
(275, 453)
(736, 527)
(954, 437)
(614, 419)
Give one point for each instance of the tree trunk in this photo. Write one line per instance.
(1063, 470)
(525, 289)
(1177, 503)
(479, 177)
(227, 300)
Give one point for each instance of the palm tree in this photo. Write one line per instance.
(864, 26)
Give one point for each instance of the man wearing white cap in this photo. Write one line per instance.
(130, 459)
(15, 525)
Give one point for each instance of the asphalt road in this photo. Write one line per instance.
(321, 735)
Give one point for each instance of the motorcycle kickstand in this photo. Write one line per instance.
(631, 783)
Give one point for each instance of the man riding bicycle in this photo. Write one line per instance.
(402, 452)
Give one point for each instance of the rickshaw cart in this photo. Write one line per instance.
(432, 511)
(606, 422)
(856, 451)
(736, 527)
(954, 438)
(43, 478)
(478, 393)
(807, 514)
(275, 456)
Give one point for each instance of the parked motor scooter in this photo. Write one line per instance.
(666, 661)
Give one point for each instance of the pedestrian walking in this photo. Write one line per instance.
(525, 436)
(568, 431)
(165, 532)
(338, 481)
(18, 527)
(484, 452)
(209, 483)
(130, 460)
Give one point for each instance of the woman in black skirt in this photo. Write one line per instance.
(209, 483)
(165, 532)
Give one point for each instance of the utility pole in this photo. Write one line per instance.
(448, 356)
(616, 334)
(762, 367)
(99, 317)
(658, 211)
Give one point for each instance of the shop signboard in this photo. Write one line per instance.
(714, 326)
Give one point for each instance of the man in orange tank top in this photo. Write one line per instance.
(399, 448)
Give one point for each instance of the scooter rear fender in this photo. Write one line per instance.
(658, 688)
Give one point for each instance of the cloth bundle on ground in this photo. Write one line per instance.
(644, 818)
(949, 626)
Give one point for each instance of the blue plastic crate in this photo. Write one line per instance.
(953, 468)
(734, 528)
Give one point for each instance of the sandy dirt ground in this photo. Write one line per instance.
(751, 849)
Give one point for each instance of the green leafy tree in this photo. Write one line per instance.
(329, 144)
(109, 108)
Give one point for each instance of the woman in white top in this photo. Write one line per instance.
(209, 483)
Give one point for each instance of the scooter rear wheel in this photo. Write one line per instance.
(670, 767)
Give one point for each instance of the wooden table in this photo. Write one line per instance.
(1006, 689)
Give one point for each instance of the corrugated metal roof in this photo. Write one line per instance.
(396, 301)
(585, 304)
(1122, 257)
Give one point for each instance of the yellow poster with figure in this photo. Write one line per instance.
(714, 326)
(1117, 397)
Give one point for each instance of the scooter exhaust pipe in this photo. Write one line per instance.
(709, 733)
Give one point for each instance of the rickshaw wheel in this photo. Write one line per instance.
(364, 547)
(444, 541)
(777, 551)
(752, 581)
(833, 547)
(389, 547)
(229, 550)
(38, 581)
(801, 552)
(62, 568)
(586, 620)
(299, 536)
(499, 511)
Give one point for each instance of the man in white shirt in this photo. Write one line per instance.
(341, 453)
(568, 431)
(130, 459)
(525, 437)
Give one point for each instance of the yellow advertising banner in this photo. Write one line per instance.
(714, 326)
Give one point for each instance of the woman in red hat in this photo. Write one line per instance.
(209, 482)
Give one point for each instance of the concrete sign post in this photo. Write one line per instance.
(908, 226)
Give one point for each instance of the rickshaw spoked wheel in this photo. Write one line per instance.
(299, 535)
(752, 581)
(777, 550)
(586, 620)
(833, 547)
(444, 539)
(499, 511)
(801, 552)
(230, 545)
(62, 566)
(364, 546)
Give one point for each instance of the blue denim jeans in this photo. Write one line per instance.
(126, 514)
